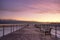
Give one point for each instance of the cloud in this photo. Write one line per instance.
(47, 7)
(38, 6)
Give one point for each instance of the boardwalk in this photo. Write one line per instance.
(28, 33)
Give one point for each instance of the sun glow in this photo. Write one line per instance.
(49, 18)
(45, 17)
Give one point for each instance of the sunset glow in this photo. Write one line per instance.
(31, 10)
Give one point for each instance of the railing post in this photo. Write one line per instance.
(3, 31)
(55, 32)
(11, 28)
(16, 27)
(40, 27)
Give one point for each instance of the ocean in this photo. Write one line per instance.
(8, 30)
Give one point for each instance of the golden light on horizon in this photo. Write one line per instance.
(47, 17)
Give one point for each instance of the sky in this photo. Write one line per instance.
(30, 10)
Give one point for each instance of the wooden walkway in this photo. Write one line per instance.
(28, 33)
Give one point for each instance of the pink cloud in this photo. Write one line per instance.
(46, 7)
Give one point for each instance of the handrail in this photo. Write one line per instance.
(12, 28)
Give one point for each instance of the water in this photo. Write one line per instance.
(1, 31)
(8, 30)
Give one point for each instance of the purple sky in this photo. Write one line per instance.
(30, 10)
